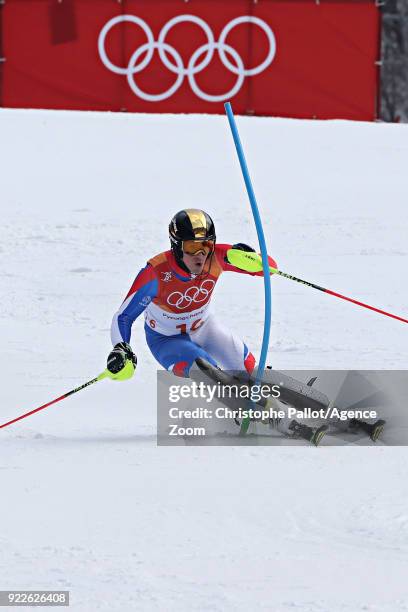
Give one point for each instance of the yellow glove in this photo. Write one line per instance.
(246, 260)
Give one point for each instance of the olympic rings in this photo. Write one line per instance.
(133, 63)
(177, 66)
(104, 32)
(208, 32)
(271, 39)
(240, 73)
(193, 294)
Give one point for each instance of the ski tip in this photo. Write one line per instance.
(378, 428)
(319, 434)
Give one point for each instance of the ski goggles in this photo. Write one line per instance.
(194, 247)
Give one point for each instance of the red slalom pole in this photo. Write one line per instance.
(384, 312)
(339, 295)
(58, 399)
(251, 262)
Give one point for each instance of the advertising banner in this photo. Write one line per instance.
(289, 59)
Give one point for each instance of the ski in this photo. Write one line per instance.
(294, 390)
(314, 435)
(373, 430)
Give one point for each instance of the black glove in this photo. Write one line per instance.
(240, 246)
(119, 355)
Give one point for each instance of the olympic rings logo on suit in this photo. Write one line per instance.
(192, 295)
(176, 65)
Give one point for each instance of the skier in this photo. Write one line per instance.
(174, 292)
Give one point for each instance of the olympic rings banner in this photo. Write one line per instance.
(271, 57)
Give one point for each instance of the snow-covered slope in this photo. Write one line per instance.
(89, 503)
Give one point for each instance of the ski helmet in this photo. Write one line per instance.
(189, 224)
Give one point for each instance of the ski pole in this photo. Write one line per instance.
(252, 262)
(338, 295)
(58, 399)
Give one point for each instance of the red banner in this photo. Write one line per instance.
(1, 55)
(289, 58)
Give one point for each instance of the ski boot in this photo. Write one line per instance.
(373, 430)
(313, 435)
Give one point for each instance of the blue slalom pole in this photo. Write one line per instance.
(261, 239)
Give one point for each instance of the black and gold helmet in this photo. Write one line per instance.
(189, 224)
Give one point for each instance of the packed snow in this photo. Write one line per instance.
(90, 504)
